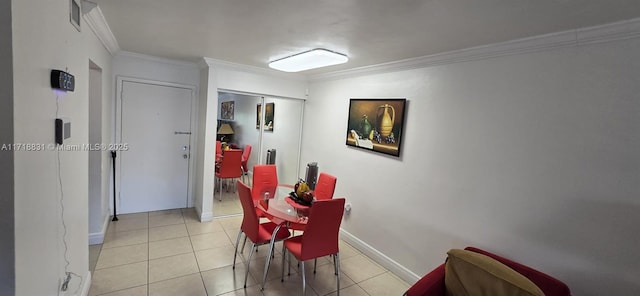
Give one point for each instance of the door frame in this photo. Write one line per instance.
(120, 80)
(261, 130)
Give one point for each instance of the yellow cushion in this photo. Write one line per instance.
(474, 274)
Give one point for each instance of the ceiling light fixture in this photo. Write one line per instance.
(315, 58)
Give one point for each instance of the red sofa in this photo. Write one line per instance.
(432, 284)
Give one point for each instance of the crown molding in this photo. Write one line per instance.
(98, 24)
(623, 30)
(156, 59)
(213, 63)
(598, 34)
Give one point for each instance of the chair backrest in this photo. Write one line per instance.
(265, 179)
(320, 237)
(325, 187)
(250, 220)
(230, 164)
(218, 147)
(245, 156)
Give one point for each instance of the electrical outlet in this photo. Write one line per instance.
(347, 208)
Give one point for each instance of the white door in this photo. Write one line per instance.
(156, 126)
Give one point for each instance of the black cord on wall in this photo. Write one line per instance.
(68, 274)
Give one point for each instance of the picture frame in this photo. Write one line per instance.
(376, 125)
(227, 110)
(269, 116)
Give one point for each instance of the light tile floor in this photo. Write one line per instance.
(230, 204)
(172, 253)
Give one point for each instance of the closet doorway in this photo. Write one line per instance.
(266, 123)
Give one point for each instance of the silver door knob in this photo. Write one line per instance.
(185, 156)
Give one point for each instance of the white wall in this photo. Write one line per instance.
(7, 239)
(152, 68)
(98, 223)
(96, 211)
(222, 76)
(257, 80)
(207, 123)
(532, 156)
(134, 65)
(285, 138)
(43, 39)
(202, 135)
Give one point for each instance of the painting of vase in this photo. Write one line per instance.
(376, 124)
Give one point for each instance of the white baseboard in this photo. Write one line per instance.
(98, 237)
(86, 284)
(380, 258)
(206, 216)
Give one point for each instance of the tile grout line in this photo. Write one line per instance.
(226, 235)
(361, 288)
(195, 257)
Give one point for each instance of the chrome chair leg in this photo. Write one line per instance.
(266, 264)
(246, 274)
(234, 185)
(283, 262)
(335, 267)
(315, 262)
(235, 254)
(220, 196)
(304, 279)
(289, 268)
(243, 243)
(337, 258)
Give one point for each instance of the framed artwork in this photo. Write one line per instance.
(376, 124)
(268, 116)
(226, 110)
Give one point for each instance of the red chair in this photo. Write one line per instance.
(258, 233)
(218, 150)
(265, 179)
(245, 158)
(325, 187)
(229, 167)
(320, 237)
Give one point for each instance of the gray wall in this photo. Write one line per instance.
(533, 156)
(43, 184)
(7, 238)
(96, 219)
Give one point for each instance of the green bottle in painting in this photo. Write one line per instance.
(365, 126)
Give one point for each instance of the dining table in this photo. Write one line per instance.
(280, 209)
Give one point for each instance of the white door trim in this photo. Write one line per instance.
(120, 80)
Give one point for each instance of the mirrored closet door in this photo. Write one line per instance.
(271, 126)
